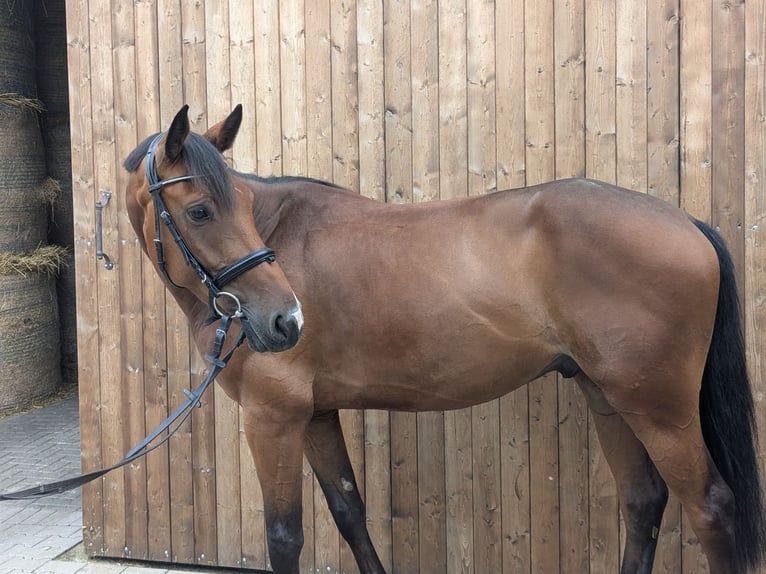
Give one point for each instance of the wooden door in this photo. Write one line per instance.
(403, 101)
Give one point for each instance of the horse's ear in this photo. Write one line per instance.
(177, 134)
(223, 134)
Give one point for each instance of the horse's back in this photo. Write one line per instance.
(453, 303)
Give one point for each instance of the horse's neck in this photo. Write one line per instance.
(273, 203)
(269, 205)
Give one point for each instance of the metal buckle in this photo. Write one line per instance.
(237, 314)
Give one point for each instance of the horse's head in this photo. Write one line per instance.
(197, 228)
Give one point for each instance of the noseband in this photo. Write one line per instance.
(214, 283)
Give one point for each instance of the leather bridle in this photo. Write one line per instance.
(214, 283)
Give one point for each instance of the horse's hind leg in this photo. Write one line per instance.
(681, 457)
(326, 452)
(672, 436)
(642, 492)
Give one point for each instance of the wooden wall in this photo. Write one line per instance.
(404, 101)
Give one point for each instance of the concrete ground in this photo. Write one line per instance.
(44, 536)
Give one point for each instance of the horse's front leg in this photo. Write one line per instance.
(276, 443)
(327, 454)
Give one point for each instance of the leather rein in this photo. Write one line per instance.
(214, 284)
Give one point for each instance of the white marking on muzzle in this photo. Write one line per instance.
(297, 314)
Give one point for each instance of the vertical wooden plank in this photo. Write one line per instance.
(293, 111)
(453, 177)
(254, 551)
(345, 98)
(353, 431)
(174, 331)
(459, 488)
(482, 178)
(155, 369)
(372, 181)
(398, 102)
(755, 205)
(630, 93)
(453, 112)
(432, 525)
(487, 492)
(345, 146)
(129, 269)
(600, 147)
(377, 468)
(371, 75)
(318, 89)
(728, 114)
(663, 105)
(244, 154)
(228, 494)
(480, 94)
(102, 94)
(203, 470)
(630, 108)
(203, 419)
(424, 77)
(515, 476)
(695, 87)
(663, 180)
(267, 88)
(193, 57)
(511, 172)
(80, 106)
(600, 91)
(293, 92)
(319, 164)
(404, 481)
(424, 71)
(569, 82)
(398, 189)
(543, 411)
(242, 78)
(728, 129)
(227, 470)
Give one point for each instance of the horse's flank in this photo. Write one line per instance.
(469, 298)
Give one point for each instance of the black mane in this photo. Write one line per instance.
(201, 159)
(275, 179)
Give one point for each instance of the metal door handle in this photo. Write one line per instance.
(99, 246)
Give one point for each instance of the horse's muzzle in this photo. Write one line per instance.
(278, 332)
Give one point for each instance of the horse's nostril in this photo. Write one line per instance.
(280, 327)
(285, 327)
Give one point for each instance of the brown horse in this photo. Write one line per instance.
(448, 304)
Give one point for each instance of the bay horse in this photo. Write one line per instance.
(448, 304)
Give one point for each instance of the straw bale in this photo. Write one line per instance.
(23, 103)
(66, 288)
(29, 336)
(17, 48)
(23, 219)
(22, 155)
(51, 47)
(59, 160)
(46, 260)
(23, 184)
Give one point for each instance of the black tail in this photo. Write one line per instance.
(727, 413)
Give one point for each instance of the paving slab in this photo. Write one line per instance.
(44, 535)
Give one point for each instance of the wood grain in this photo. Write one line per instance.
(404, 101)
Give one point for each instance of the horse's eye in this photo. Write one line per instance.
(199, 213)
